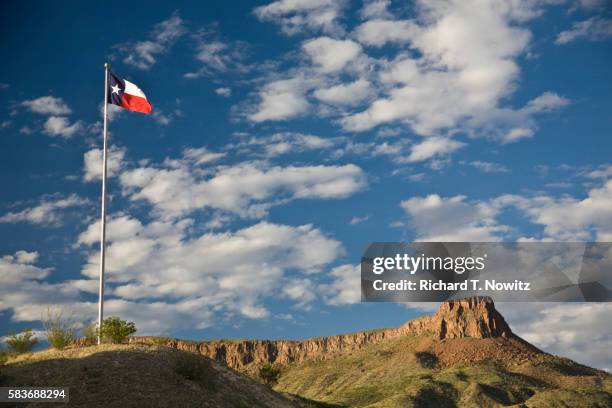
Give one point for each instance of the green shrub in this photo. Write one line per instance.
(117, 330)
(60, 329)
(427, 359)
(90, 334)
(269, 374)
(21, 343)
(194, 368)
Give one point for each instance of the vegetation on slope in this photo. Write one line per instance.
(407, 372)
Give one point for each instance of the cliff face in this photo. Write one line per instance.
(474, 317)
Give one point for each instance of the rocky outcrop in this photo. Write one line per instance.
(473, 317)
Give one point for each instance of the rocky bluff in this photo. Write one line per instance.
(474, 317)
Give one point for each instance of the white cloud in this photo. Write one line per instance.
(295, 16)
(445, 76)
(352, 93)
(517, 133)
(301, 290)
(241, 267)
(569, 218)
(55, 124)
(210, 290)
(546, 102)
(254, 312)
(224, 92)
(388, 149)
(246, 189)
(402, 150)
(604, 172)
(375, 9)
(566, 218)
(218, 55)
(47, 105)
(417, 177)
(281, 143)
(331, 55)
(488, 167)
(26, 295)
(452, 219)
(569, 330)
(508, 125)
(590, 4)
(144, 54)
(214, 55)
(281, 100)
(24, 292)
(284, 143)
(92, 163)
(345, 288)
(380, 32)
(358, 220)
(593, 29)
(46, 212)
(20, 266)
(201, 155)
(60, 126)
(433, 146)
(459, 77)
(161, 118)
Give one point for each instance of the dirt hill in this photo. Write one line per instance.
(138, 376)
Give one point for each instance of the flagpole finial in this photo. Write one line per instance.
(106, 65)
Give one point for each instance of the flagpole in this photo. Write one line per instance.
(103, 216)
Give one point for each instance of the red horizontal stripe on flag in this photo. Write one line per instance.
(135, 103)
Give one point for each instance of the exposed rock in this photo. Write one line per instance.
(473, 317)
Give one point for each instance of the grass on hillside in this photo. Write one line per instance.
(403, 373)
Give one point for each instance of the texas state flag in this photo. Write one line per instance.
(127, 95)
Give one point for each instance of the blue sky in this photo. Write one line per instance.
(285, 136)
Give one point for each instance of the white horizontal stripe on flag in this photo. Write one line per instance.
(132, 89)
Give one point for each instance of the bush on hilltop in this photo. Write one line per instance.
(60, 329)
(90, 334)
(117, 330)
(21, 343)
